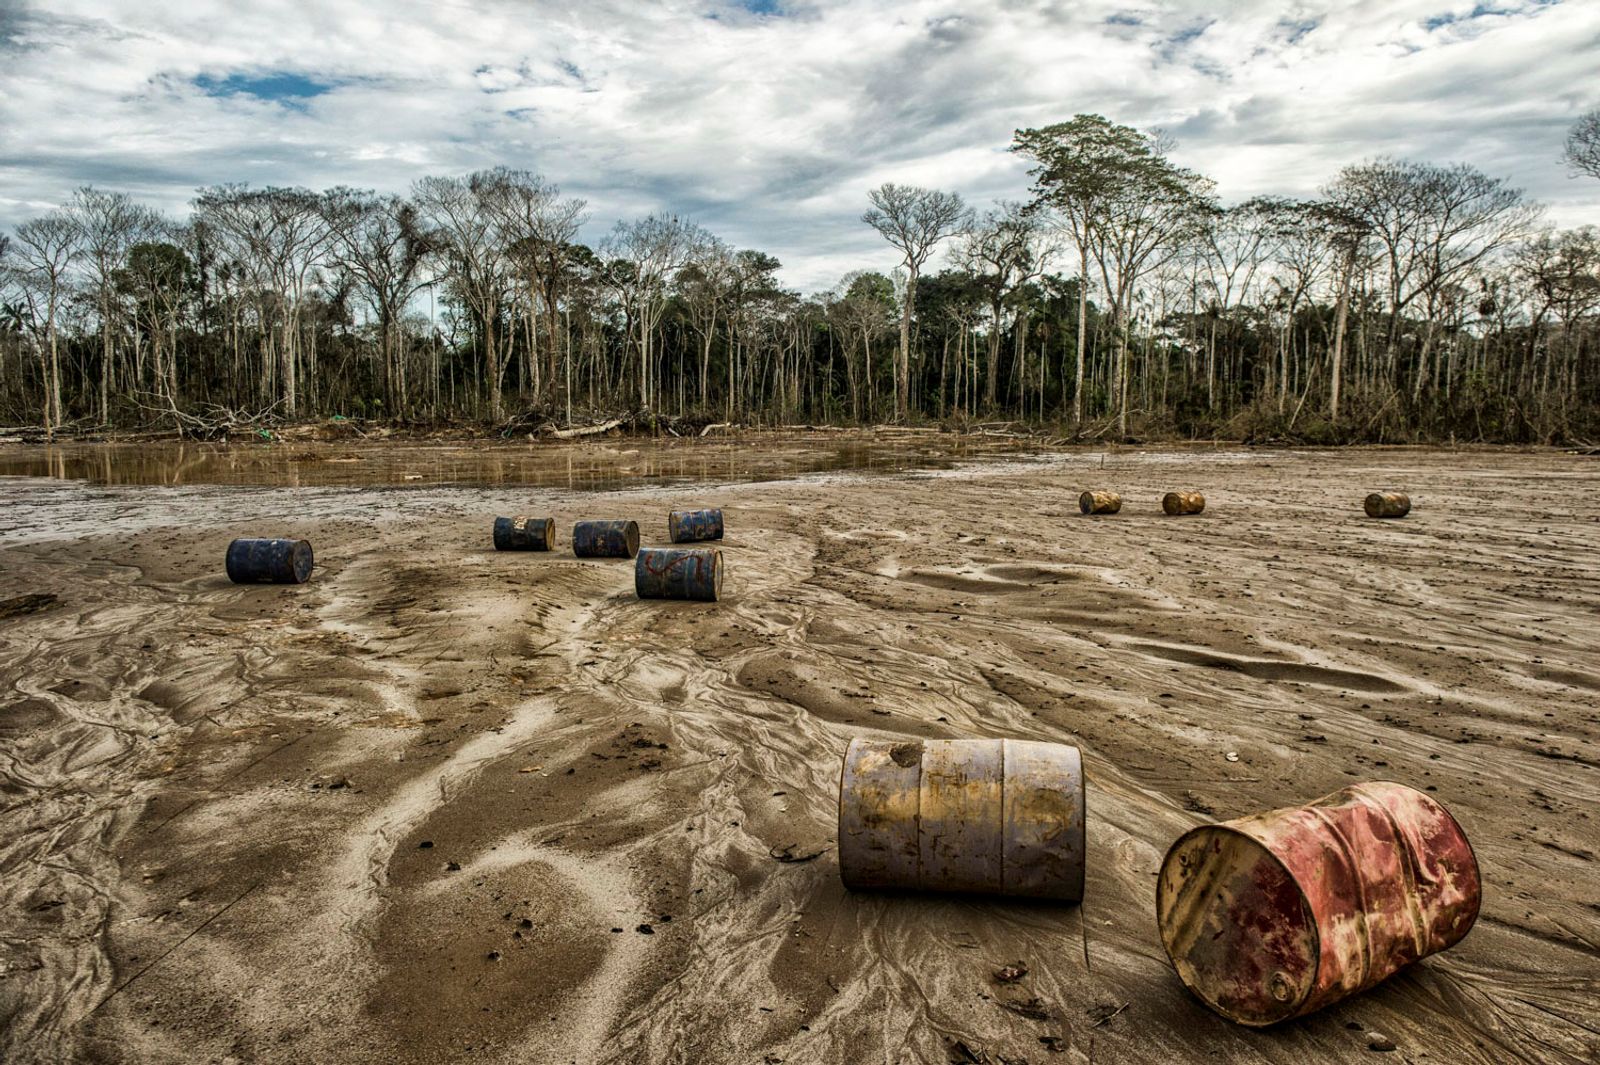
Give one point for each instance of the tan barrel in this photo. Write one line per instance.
(1099, 502)
(999, 817)
(1388, 505)
(1274, 916)
(1183, 502)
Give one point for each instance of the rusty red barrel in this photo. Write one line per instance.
(1100, 502)
(1183, 502)
(689, 526)
(524, 534)
(678, 573)
(605, 539)
(1387, 505)
(260, 561)
(1274, 916)
(1001, 817)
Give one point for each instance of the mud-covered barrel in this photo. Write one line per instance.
(605, 539)
(1274, 916)
(1100, 502)
(691, 526)
(1001, 817)
(524, 534)
(257, 561)
(1183, 503)
(678, 573)
(1388, 505)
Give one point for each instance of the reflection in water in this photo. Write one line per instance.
(575, 466)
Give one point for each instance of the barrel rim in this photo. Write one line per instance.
(296, 545)
(1298, 1006)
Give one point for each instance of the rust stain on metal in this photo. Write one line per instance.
(605, 539)
(1100, 502)
(1387, 505)
(678, 573)
(1183, 502)
(687, 526)
(1278, 915)
(1001, 817)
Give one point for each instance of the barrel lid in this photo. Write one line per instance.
(301, 560)
(1238, 928)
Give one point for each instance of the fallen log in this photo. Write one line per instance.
(586, 430)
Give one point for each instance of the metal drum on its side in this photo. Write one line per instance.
(1100, 502)
(1387, 505)
(524, 534)
(261, 561)
(605, 539)
(688, 526)
(1183, 503)
(1001, 817)
(678, 573)
(1277, 915)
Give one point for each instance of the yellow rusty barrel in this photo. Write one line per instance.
(1001, 817)
(1099, 502)
(1274, 916)
(1388, 505)
(1183, 502)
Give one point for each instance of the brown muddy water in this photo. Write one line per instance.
(443, 804)
(581, 466)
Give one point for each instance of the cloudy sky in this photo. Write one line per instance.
(768, 120)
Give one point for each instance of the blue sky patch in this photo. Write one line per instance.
(278, 86)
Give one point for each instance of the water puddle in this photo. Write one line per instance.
(596, 466)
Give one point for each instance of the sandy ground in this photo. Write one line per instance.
(443, 804)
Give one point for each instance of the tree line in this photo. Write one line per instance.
(1408, 300)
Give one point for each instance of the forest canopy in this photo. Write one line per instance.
(1116, 295)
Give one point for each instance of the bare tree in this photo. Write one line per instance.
(1005, 250)
(914, 220)
(381, 244)
(1583, 145)
(107, 225)
(461, 211)
(650, 252)
(45, 251)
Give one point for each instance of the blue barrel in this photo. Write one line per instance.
(605, 539)
(524, 534)
(687, 526)
(269, 561)
(678, 573)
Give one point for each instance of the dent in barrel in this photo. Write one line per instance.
(689, 526)
(1100, 502)
(1175, 503)
(1275, 916)
(1000, 817)
(880, 788)
(1388, 505)
(268, 561)
(605, 539)
(678, 573)
(524, 534)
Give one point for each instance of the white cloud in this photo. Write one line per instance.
(769, 129)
